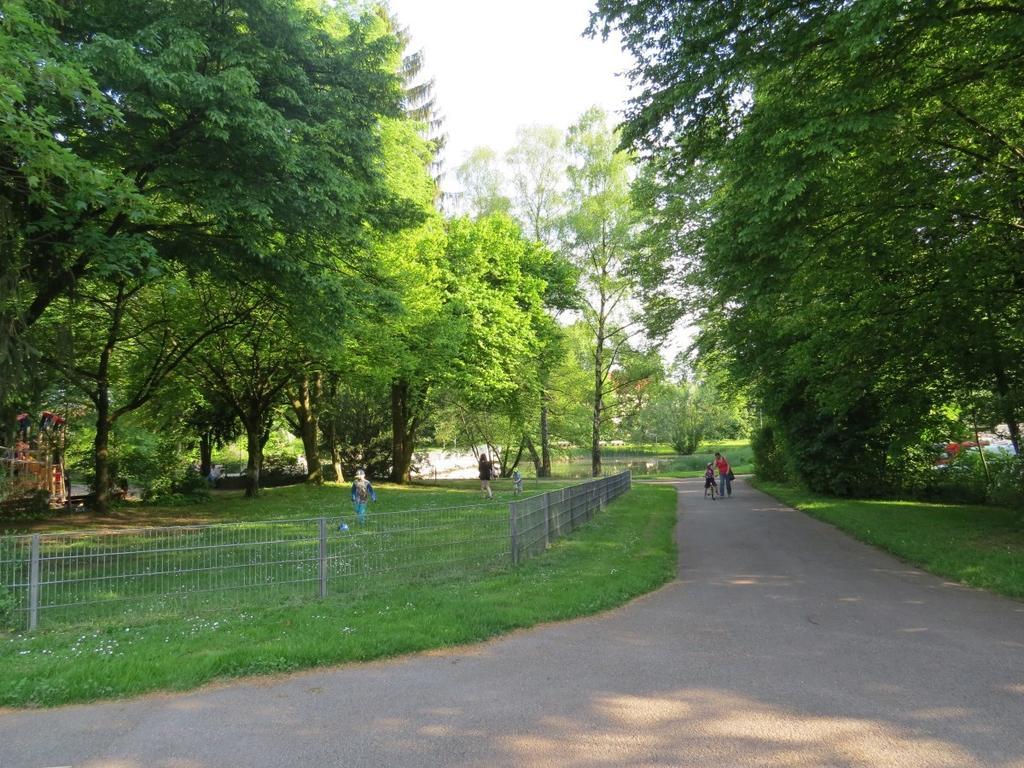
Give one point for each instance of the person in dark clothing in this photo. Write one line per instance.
(24, 426)
(709, 481)
(486, 467)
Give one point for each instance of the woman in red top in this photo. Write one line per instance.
(724, 483)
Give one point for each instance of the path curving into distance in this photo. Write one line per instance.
(782, 643)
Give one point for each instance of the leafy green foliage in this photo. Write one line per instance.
(359, 420)
(1008, 487)
(164, 170)
(839, 179)
(9, 613)
(682, 415)
(769, 457)
(482, 184)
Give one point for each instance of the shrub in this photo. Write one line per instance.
(281, 468)
(31, 506)
(1008, 483)
(281, 463)
(8, 609)
(177, 485)
(769, 458)
(963, 481)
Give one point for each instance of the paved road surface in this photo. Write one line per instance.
(783, 643)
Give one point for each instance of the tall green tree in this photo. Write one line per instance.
(118, 341)
(854, 169)
(249, 368)
(48, 97)
(601, 227)
(483, 184)
(471, 294)
(206, 135)
(537, 164)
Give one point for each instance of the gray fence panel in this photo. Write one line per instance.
(539, 520)
(132, 573)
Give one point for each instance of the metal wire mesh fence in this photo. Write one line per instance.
(134, 573)
(537, 521)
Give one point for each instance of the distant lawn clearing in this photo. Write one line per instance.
(624, 552)
(978, 546)
(288, 502)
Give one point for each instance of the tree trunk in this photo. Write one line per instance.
(1008, 413)
(538, 465)
(1014, 426)
(403, 433)
(101, 399)
(545, 439)
(254, 447)
(595, 443)
(332, 440)
(205, 453)
(101, 453)
(304, 404)
(507, 471)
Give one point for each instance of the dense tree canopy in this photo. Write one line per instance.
(148, 150)
(212, 136)
(841, 185)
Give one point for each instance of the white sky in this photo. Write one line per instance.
(498, 65)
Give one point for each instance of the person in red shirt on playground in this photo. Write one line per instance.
(724, 475)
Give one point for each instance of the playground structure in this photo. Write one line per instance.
(36, 462)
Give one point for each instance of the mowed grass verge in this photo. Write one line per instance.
(626, 551)
(979, 546)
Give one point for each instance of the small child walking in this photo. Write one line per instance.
(362, 493)
(517, 482)
(709, 481)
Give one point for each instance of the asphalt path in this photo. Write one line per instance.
(782, 643)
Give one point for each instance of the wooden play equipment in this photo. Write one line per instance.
(37, 464)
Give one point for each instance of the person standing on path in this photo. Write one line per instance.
(724, 475)
(486, 467)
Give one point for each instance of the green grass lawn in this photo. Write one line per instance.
(980, 546)
(738, 452)
(625, 551)
(289, 502)
(657, 462)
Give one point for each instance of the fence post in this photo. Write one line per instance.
(33, 584)
(323, 557)
(547, 520)
(513, 532)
